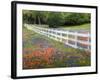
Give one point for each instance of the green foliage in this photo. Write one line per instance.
(55, 19)
(77, 18)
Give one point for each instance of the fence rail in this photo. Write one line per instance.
(75, 39)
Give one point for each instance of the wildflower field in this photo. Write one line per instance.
(42, 52)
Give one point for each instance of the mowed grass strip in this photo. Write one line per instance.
(78, 27)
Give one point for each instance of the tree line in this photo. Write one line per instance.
(55, 19)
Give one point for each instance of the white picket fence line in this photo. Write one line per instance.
(70, 38)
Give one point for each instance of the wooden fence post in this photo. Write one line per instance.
(76, 39)
(88, 41)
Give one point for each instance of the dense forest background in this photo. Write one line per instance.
(55, 19)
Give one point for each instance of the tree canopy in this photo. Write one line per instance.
(55, 19)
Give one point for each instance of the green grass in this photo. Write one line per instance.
(27, 37)
(78, 27)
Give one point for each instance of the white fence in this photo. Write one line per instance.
(75, 39)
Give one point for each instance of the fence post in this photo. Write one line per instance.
(56, 34)
(76, 39)
(47, 31)
(88, 41)
(61, 37)
(67, 37)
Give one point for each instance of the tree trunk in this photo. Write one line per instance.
(35, 20)
(39, 21)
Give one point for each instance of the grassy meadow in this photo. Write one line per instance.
(42, 52)
(78, 27)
